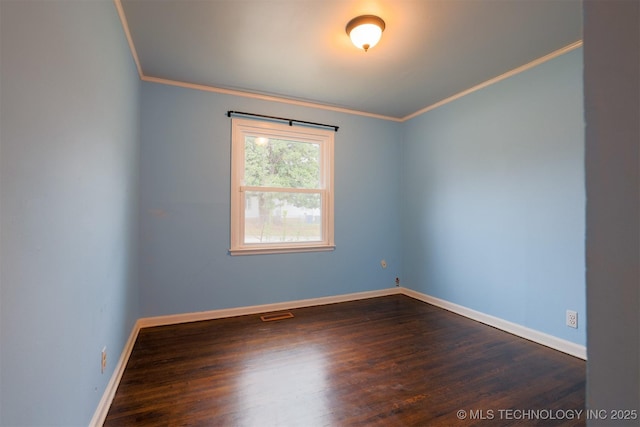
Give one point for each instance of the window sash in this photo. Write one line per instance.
(244, 188)
(241, 128)
(285, 227)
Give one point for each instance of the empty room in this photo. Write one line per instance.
(250, 213)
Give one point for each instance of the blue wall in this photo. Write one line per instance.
(68, 175)
(184, 213)
(494, 199)
(114, 204)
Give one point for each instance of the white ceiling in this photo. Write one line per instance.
(298, 49)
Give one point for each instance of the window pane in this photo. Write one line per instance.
(281, 188)
(273, 162)
(282, 217)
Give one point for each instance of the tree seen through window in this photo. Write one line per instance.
(282, 216)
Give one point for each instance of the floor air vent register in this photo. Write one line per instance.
(276, 316)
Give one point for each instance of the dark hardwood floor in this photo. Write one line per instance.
(389, 361)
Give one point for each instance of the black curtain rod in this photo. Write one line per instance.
(290, 121)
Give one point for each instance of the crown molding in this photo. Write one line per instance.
(127, 33)
(317, 105)
(263, 97)
(497, 79)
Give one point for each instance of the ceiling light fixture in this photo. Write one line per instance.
(365, 31)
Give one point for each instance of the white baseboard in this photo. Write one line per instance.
(547, 340)
(100, 414)
(513, 328)
(107, 397)
(173, 319)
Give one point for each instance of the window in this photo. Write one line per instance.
(281, 188)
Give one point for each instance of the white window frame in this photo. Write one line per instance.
(240, 128)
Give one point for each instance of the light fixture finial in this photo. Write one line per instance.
(365, 31)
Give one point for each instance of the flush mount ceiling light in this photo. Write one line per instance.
(365, 31)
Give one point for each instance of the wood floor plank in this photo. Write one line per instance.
(388, 361)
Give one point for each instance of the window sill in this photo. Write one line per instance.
(281, 249)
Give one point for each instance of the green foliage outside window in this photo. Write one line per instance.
(278, 163)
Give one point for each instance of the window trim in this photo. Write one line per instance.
(325, 138)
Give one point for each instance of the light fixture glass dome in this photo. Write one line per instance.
(365, 31)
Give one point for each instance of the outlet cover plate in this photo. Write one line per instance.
(103, 361)
(572, 319)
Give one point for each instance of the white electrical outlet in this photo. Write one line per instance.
(383, 264)
(572, 319)
(103, 360)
